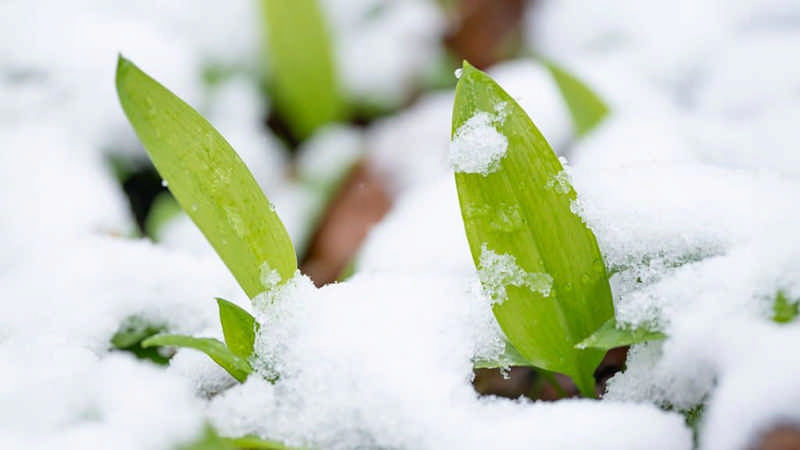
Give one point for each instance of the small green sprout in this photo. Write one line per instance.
(132, 333)
(218, 192)
(239, 329)
(216, 350)
(536, 257)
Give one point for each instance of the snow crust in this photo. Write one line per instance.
(347, 354)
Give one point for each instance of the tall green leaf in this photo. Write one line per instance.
(209, 180)
(302, 68)
(586, 108)
(216, 350)
(239, 328)
(610, 335)
(520, 214)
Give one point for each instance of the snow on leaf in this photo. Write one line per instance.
(509, 357)
(498, 271)
(477, 146)
(546, 238)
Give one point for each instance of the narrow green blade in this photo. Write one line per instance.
(216, 350)
(209, 180)
(609, 336)
(303, 77)
(586, 108)
(536, 258)
(239, 328)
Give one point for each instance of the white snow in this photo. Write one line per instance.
(348, 353)
(688, 185)
(477, 146)
(385, 48)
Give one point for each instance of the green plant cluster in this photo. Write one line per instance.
(567, 331)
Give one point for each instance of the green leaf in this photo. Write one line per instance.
(256, 443)
(239, 328)
(509, 357)
(209, 180)
(130, 335)
(216, 350)
(586, 108)
(163, 210)
(521, 212)
(784, 311)
(211, 440)
(610, 335)
(303, 78)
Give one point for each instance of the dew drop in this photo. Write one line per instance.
(164, 183)
(458, 72)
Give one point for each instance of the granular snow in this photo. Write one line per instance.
(477, 146)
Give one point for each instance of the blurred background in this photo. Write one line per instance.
(341, 108)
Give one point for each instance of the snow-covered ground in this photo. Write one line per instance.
(688, 186)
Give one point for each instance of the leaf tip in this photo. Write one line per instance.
(468, 68)
(123, 65)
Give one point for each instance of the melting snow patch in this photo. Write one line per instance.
(497, 271)
(477, 146)
(560, 183)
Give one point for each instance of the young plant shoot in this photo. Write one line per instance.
(212, 184)
(536, 259)
(209, 181)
